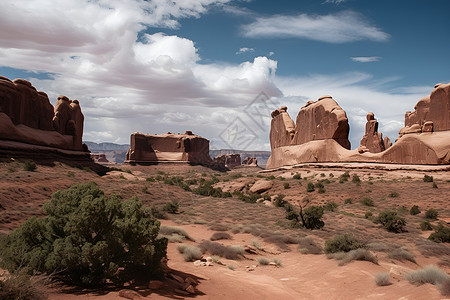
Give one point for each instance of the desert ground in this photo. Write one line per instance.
(277, 260)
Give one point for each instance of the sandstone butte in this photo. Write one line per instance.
(321, 134)
(29, 121)
(186, 147)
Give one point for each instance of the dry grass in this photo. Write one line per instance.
(383, 278)
(174, 230)
(190, 253)
(220, 236)
(21, 286)
(402, 254)
(357, 254)
(306, 245)
(214, 248)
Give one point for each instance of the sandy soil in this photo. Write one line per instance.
(301, 276)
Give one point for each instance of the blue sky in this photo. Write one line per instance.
(158, 66)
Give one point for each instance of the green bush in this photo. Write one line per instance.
(391, 221)
(368, 214)
(427, 178)
(348, 201)
(414, 210)
(297, 176)
(29, 166)
(356, 179)
(431, 214)
(330, 206)
(367, 201)
(286, 185)
(342, 243)
(171, 207)
(310, 188)
(441, 234)
(312, 217)
(435, 185)
(425, 225)
(87, 238)
(278, 201)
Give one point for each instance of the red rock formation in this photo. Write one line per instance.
(425, 139)
(282, 128)
(99, 157)
(250, 162)
(26, 115)
(431, 114)
(320, 120)
(186, 147)
(372, 139)
(228, 160)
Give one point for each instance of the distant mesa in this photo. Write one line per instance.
(228, 160)
(320, 134)
(169, 147)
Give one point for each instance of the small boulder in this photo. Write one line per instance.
(129, 294)
(261, 186)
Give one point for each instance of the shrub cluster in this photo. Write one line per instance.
(441, 234)
(342, 243)
(427, 178)
(431, 214)
(87, 238)
(391, 221)
(414, 210)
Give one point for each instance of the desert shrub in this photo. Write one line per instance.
(205, 188)
(263, 261)
(342, 243)
(414, 210)
(29, 166)
(278, 262)
(297, 176)
(311, 217)
(429, 274)
(367, 201)
(214, 248)
(441, 234)
(248, 198)
(368, 214)
(306, 245)
(348, 201)
(427, 178)
(425, 225)
(88, 238)
(171, 207)
(286, 185)
(70, 174)
(220, 236)
(21, 286)
(330, 206)
(218, 227)
(401, 254)
(190, 253)
(431, 214)
(345, 176)
(170, 230)
(319, 185)
(356, 179)
(356, 254)
(279, 239)
(393, 194)
(383, 278)
(321, 190)
(150, 179)
(278, 200)
(391, 221)
(310, 188)
(156, 212)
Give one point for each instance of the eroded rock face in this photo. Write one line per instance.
(250, 162)
(168, 147)
(372, 139)
(431, 114)
(320, 120)
(228, 160)
(27, 116)
(282, 128)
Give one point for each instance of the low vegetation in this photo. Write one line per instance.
(391, 221)
(441, 234)
(190, 252)
(356, 254)
(383, 278)
(214, 248)
(430, 274)
(414, 210)
(87, 238)
(342, 243)
(431, 214)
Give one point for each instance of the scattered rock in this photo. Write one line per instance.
(261, 186)
(191, 281)
(190, 289)
(129, 294)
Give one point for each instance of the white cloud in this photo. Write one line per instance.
(245, 49)
(365, 59)
(271, 53)
(335, 1)
(346, 26)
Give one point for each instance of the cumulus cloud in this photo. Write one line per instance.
(245, 49)
(365, 59)
(343, 27)
(126, 78)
